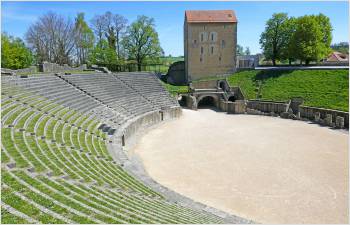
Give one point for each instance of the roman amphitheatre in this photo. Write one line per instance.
(94, 146)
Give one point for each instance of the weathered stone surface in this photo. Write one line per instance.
(339, 122)
(328, 120)
(317, 116)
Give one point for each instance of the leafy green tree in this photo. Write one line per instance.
(247, 51)
(84, 38)
(274, 37)
(141, 41)
(239, 50)
(14, 53)
(103, 54)
(311, 39)
(287, 49)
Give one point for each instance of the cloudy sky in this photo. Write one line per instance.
(169, 16)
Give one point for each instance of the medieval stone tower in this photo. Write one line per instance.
(210, 39)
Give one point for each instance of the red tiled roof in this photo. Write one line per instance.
(214, 16)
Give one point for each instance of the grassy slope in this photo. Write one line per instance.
(319, 88)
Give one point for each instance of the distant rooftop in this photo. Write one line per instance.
(210, 16)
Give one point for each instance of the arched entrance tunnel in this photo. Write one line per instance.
(183, 101)
(206, 102)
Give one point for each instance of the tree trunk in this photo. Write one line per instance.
(290, 62)
(139, 66)
(307, 62)
(274, 62)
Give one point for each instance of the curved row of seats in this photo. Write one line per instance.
(56, 167)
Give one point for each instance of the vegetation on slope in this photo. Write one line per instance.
(319, 88)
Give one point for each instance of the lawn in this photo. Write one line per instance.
(175, 89)
(319, 88)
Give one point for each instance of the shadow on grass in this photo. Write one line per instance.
(266, 74)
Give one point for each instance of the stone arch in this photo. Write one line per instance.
(207, 101)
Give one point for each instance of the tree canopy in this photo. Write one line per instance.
(306, 38)
(14, 53)
(142, 40)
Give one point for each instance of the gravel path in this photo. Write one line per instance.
(268, 169)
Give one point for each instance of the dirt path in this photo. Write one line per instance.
(267, 169)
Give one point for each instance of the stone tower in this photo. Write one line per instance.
(210, 39)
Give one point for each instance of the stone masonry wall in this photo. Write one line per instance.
(309, 113)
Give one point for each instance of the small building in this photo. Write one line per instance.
(337, 57)
(210, 39)
(247, 61)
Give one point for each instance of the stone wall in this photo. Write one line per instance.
(48, 67)
(146, 120)
(207, 84)
(268, 106)
(237, 107)
(310, 113)
(32, 69)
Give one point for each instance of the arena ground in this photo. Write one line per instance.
(267, 169)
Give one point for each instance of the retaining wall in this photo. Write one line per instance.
(268, 106)
(309, 113)
(148, 119)
(32, 69)
(53, 67)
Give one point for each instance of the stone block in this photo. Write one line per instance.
(339, 122)
(328, 120)
(317, 116)
(284, 115)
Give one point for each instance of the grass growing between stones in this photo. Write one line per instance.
(319, 88)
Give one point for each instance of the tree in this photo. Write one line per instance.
(98, 26)
(142, 40)
(84, 38)
(52, 39)
(312, 37)
(102, 54)
(14, 53)
(274, 37)
(120, 23)
(287, 49)
(247, 51)
(239, 50)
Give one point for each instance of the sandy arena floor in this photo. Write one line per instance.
(267, 169)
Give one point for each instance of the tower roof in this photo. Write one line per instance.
(210, 16)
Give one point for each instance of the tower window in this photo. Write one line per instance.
(223, 43)
(212, 36)
(202, 50)
(195, 41)
(200, 59)
(212, 49)
(219, 58)
(202, 37)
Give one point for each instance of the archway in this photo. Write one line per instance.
(232, 98)
(183, 100)
(206, 102)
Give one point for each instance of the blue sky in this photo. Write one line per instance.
(169, 16)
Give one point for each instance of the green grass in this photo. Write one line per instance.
(175, 89)
(319, 88)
